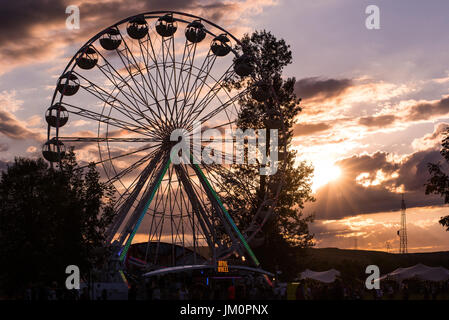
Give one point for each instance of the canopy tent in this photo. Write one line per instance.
(419, 271)
(328, 276)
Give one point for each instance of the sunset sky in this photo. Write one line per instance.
(375, 102)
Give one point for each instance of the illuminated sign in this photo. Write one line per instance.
(222, 266)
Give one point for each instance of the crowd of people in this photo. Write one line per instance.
(388, 290)
(248, 287)
(175, 287)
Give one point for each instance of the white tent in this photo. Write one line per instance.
(324, 276)
(419, 271)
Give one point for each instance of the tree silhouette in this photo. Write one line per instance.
(438, 182)
(288, 228)
(49, 219)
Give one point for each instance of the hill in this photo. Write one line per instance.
(352, 263)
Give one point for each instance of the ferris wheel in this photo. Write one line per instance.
(117, 102)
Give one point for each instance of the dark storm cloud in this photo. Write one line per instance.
(345, 197)
(317, 88)
(10, 127)
(306, 129)
(377, 121)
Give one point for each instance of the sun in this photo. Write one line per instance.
(324, 173)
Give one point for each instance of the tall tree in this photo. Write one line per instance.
(49, 219)
(438, 182)
(288, 228)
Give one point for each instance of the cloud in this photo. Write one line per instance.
(366, 163)
(377, 121)
(428, 110)
(373, 183)
(14, 129)
(413, 172)
(310, 128)
(25, 28)
(315, 88)
(35, 31)
(431, 140)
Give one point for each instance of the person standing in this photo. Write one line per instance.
(300, 292)
(231, 292)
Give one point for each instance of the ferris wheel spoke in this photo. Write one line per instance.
(224, 107)
(100, 93)
(167, 45)
(223, 157)
(187, 60)
(89, 114)
(200, 81)
(160, 75)
(152, 82)
(114, 75)
(107, 139)
(127, 54)
(170, 57)
(201, 78)
(161, 87)
(187, 55)
(110, 100)
(122, 173)
(209, 96)
(124, 155)
(219, 174)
